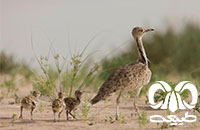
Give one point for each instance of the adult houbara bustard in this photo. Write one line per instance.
(128, 77)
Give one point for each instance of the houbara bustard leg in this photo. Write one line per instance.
(135, 101)
(135, 106)
(117, 105)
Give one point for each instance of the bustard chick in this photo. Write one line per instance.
(72, 103)
(58, 105)
(29, 102)
(129, 77)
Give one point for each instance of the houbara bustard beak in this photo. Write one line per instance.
(148, 30)
(138, 32)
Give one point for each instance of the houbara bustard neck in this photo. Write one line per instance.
(138, 33)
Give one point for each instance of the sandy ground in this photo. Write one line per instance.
(98, 119)
(101, 116)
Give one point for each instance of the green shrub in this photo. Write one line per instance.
(46, 87)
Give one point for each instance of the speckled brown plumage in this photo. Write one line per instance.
(128, 77)
(58, 105)
(29, 102)
(72, 103)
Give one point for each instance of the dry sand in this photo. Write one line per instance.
(99, 117)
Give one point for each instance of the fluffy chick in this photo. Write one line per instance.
(29, 102)
(72, 103)
(58, 105)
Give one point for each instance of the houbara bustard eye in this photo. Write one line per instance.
(140, 30)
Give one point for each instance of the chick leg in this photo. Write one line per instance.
(59, 115)
(54, 115)
(67, 114)
(32, 113)
(72, 115)
(21, 110)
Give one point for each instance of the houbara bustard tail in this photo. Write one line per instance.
(128, 77)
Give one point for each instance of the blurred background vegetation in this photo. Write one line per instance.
(174, 56)
(12, 66)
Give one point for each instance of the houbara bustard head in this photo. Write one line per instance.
(138, 32)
